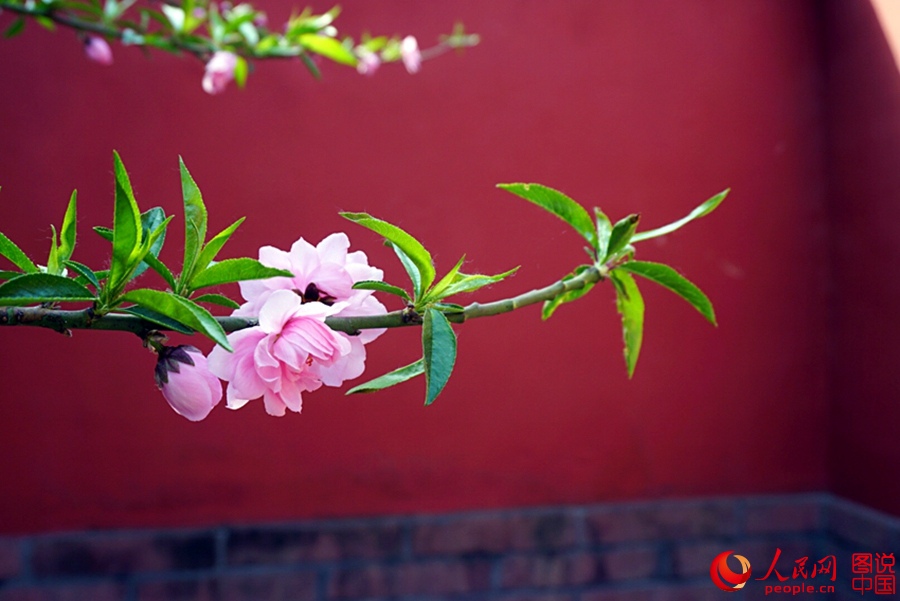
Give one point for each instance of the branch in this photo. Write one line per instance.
(64, 321)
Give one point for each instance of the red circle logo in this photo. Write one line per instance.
(724, 577)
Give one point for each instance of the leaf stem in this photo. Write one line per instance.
(86, 319)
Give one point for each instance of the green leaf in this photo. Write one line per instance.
(175, 16)
(126, 228)
(181, 310)
(105, 232)
(151, 220)
(329, 48)
(436, 293)
(630, 304)
(217, 299)
(160, 268)
(604, 232)
(84, 271)
(669, 278)
(235, 270)
(311, 66)
(212, 248)
(439, 352)
(67, 232)
(550, 306)
(18, 258)
(411, 247)
(8, 275)
(449, 308)
(54, 266)
(15, 29)
(31, 288)
(393, 378)
(382, 287)
(411, 270)
(621, 235)
(195, 222)
(559, 204)
(157, 318)
(701, 211)
(471, 283)
(240, 66)
(45, 22)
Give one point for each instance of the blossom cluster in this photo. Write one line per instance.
(220, 68)
(292, 350)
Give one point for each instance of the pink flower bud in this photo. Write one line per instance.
(219, 71)
(98, 50)
(368, 62)
(187, 384)
(409, 52)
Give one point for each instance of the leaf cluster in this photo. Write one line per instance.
(137, 239)
(611, 250)
(426, 303)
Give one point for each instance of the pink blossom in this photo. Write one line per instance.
(409, 52)
(98, 50)
(291, 351)
(324, 274)
(183, 375)
(219, 71)
(368, 61)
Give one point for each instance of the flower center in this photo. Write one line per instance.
(312, 294)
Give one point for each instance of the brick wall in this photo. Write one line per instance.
(655, 551)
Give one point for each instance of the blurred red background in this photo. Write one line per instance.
(638, 106)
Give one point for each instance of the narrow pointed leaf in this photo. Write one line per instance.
(181, 310)
(16, 28)
(621, 235)
(212, 248)
(630, 304)
(105, 232)
(126, 227)
(85, 272)
(18, 258)
(31, 288)
(559, 204)
(157, 318)
(398, 376)
(216, 299)
(471, 283)
(151, 220)
(310, 64)
(701, 211)
(160, 268)
(436, 293)
(329, 48)
(412, 271)
(411, 247)
(381, 287)
(439, 352)
(604, 231)
(8, 275)
(54, 265)
(449, 308)
(194, 221)
(235, 270)
(669, 278)
(67, 232)
(550, 306)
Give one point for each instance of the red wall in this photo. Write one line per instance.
(638, 106)
(864, 185)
